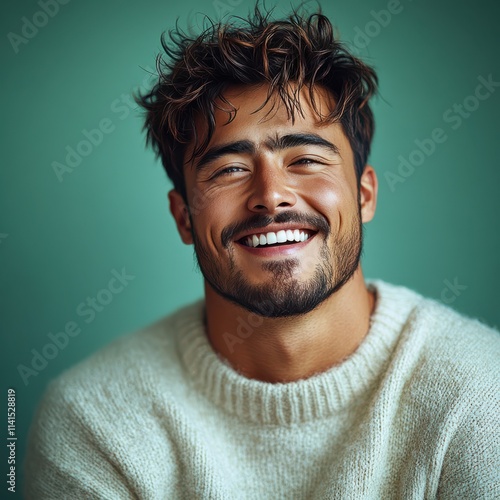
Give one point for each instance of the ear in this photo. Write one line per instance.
(368, 193)
(180, 213)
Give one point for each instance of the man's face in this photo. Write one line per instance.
(274, 211)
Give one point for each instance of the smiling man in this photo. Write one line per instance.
(292, 377)
(279, 234)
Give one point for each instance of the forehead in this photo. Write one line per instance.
(257, 100)
(254, 119)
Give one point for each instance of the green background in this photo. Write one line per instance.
(111, 212)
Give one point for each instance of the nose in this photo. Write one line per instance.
(270, 190)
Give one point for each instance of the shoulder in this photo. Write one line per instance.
(460, 346)
(446, 368)
(116, 401)
(445, 358)
(458, 384)
(131, 358)
(128, 374)
(452, 364)
(439, 333)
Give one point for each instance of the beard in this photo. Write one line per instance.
(283, 295)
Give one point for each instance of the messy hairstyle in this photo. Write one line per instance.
(300, 51)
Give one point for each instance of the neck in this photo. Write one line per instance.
(288, 349)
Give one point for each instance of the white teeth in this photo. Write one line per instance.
(271, 238)
(281, 236)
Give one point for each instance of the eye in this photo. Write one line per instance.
(227, 171)
(308, 161)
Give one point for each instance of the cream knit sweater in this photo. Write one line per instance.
(412, 414)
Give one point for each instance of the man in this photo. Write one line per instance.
(292, 378)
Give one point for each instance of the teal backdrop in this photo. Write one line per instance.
(82, 200)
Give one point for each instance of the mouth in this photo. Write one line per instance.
(284, 237)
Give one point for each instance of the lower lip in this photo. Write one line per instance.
(279, 250)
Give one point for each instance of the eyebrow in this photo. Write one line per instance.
(216, 152)
(294, 140)
(273, 144)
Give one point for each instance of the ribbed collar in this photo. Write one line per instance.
(316, 397)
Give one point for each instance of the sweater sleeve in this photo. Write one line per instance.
(471, 467)
(66, 456)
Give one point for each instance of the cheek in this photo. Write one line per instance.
(209, 222)
(204, 211)
(331, 197)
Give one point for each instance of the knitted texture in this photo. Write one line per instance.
(413, 413)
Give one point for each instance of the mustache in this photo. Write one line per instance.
(260, 221)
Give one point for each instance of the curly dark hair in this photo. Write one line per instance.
(299, 51)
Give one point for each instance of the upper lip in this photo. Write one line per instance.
(274, 228)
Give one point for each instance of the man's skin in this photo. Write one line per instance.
(270, 180)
